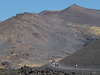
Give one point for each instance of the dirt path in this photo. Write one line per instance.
(74, 69)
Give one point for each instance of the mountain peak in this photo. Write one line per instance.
(74, 6)
(70, 8)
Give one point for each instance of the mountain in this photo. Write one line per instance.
(87, 57)
(34, 39)
(75, 14)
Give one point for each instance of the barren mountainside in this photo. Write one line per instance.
(75, 14)
(34, 39)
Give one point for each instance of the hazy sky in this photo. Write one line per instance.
(9, 8)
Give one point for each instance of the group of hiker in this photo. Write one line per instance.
(55, 64)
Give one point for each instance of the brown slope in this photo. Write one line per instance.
(88, 57)
(31, 38)
(22, 35)
(76, 17)
(75, 14)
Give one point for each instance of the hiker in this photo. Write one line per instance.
(76, 66)
(57, 64)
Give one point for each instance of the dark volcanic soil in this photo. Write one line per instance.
(87, 57)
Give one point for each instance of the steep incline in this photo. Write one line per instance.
(88, 57)
(75, 14)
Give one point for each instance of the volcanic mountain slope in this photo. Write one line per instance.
(75, 14)
(76, 17)
(87, 57)
(36, 38)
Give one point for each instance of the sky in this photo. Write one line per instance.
(9, 8)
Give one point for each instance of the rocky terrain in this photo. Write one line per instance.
(32, 71)
(43, 71)
(34, 39)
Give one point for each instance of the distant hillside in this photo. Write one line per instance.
(87, 57)
(75, 14)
